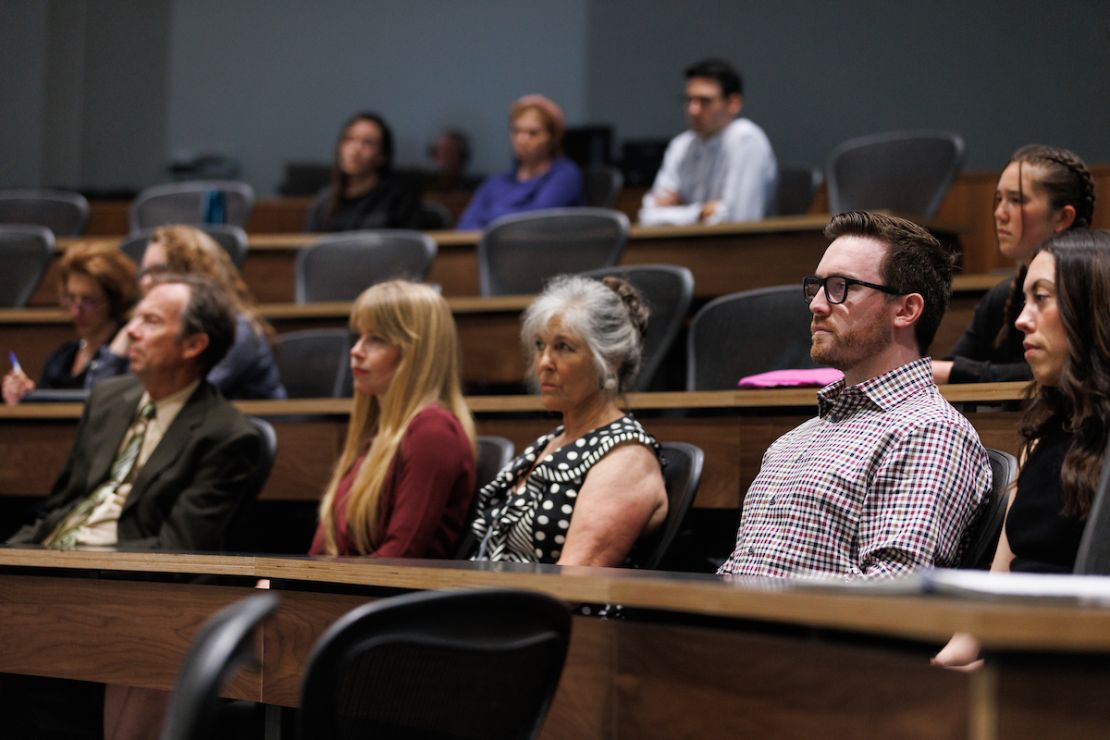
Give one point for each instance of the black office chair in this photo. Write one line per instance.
(1093, 556)
(437, 665)
(682, 476)
(243, 533)
(189, 203)
(602, 184)
(668, 291)
(339, 267)
(232, 238)
(25, 252)
(907, 172)
(984, 538)
(517, 254)
(221, 647)
(494, 453)
(745, 333)
(435, 216)
(315, 363)
(796, 190)
(62, 212)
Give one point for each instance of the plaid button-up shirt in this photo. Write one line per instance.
(886, 479)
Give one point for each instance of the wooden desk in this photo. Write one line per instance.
(719, 659)
(734, 429)
(723, 258)
(489, 328)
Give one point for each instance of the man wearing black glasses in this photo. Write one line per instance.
(888, 477)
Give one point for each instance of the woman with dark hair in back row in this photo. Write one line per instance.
(1044, 190)
(364, 192)
(1066, 426)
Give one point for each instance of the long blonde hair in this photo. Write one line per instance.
(416, 320)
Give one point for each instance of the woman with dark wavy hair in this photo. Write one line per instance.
(1065, 427)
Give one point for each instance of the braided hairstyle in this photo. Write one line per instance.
(1065, 180)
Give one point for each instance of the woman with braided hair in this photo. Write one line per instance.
(584, 493)
(1043, 191)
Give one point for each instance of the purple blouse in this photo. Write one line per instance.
(500, 195)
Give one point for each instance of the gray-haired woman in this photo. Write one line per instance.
(584, 493)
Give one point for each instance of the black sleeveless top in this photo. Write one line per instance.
(1042, 539)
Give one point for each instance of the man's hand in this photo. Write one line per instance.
(708, 210)
(666, 198)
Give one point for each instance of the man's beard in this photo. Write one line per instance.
(846, 350)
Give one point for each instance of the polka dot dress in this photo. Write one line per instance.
(530, 525)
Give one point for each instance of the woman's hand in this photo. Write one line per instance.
(16, 386)
(960, 654)
(121, 343)
(942, 371)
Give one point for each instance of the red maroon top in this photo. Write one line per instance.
(425, 496)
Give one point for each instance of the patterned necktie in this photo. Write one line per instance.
(64, 536)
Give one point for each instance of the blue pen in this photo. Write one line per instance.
(15, 362)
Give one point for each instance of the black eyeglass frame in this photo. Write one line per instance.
(823, 282)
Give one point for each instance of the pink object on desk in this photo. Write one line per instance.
(818, 376)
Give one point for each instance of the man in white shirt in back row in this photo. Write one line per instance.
(723, 168)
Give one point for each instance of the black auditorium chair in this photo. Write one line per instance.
(339, 267)
(244, 534)
(907, 172)
(796, 190)
(981, 543)
(192, 203)
(315, 363)
(746, 333)
(1093, 557)
(232, 238)
(434, 216)
(517, 254)
(63, 212)
(668, 291)
(25, 252)
(223, 645)
(494, 453)
(682, 469)
(602, 184)
(437, 665)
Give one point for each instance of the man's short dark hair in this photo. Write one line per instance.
(720, 71)
(915, 262)
(208, 312)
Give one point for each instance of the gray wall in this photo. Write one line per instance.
(106, 91)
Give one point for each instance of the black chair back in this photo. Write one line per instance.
(315, 363)
(668, 291)
(25, 252)
(796, 190)
(62, 212)
(1093, 557)
(907, 172)
(191, 203)
(682, 475)
(446, 664)
(746, 333)
(518, 254)
(985, 533)
(340, 267)
(232, 238)
(494, 453)
(224, 643)
(602, 184)
(434, 216)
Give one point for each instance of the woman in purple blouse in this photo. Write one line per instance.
(542, 178)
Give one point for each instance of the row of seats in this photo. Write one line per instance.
(904, 171)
